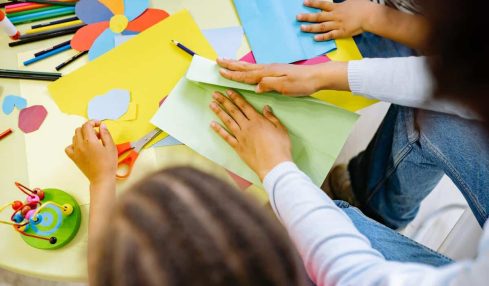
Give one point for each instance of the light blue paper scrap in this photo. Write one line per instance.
(111, 105)
(274, 34)
(120, 39)
(226, 41)
(12, 101)
(168, 141)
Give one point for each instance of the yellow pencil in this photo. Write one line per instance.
(52, 27)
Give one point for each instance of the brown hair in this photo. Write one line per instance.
(458, 38)
(183, 227)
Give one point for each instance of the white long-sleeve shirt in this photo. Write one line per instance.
(405, 81)
(336, 253)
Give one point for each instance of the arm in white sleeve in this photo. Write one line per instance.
(333, 250)
(405, 81)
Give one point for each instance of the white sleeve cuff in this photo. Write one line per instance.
(276, 173)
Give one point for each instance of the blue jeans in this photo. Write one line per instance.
(393, 245)
(408, 156)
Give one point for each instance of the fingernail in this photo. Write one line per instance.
(223, 70)
(213, 124)
(103, 126)
(215, 95)
(229, 92)
(268, 108)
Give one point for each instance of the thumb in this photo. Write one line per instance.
(270, 84)
(70, 151)
(268, 114)
(105, 136)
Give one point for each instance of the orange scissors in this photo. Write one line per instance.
(128, 153)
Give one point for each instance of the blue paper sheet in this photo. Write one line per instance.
(226, 41)
(13, 101)
(274, 33)
(168, 141)
(111, 105)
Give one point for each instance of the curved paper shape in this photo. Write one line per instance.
(86, 36)
(134, 8)
(115, 6)
(92, 11)
(104, 43)
(31, 118)
(111, 105)
(13, 101)
(146, 20)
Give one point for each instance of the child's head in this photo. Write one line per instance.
(184, 227)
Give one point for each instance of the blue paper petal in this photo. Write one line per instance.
(92, 11)
(104, 43)
(134, 8)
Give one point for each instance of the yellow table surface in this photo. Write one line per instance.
(38, 159)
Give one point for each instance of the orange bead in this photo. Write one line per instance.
(17, 205)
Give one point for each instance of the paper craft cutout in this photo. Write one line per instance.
(226, 41)
(116, 17)
(168, 141)
(111, 105)
(317, 130)
(13, 101)
(120, 39)
(31, 118)
(240, 182)
(347, 50)
(131, 114)
(150, 72)
(274, 33)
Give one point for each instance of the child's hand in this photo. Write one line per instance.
(337, 20)
(286, 79)
(94, 153)
(260, 140)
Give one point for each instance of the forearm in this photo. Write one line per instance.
(410, 30)
(332, 76)
(102, 199)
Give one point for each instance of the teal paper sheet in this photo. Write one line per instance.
(318, 131)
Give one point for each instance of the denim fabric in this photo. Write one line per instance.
(393, 246)
(407, 157)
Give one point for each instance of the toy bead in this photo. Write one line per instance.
(29, 214)
(17, 205)
(33, 199)
(25, 210)
(18, 218)
(41, 195)
(53, 240)
(67, 209)
(35, 220)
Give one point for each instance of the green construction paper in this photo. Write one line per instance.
(318, 131)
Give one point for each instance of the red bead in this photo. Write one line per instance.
(25, 210)
(17, 205)
(40, 194)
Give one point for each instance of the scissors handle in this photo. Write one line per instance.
(124, 166)
(123, 148)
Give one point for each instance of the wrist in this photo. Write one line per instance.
(102, 184)
(333, 76)
(263, 172)
(373, 12)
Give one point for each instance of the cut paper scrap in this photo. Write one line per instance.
(13, 101)
(31, 118)
(132, 112)
(274, 33)
(120, 39)
(111, 105)
(168, 141)
(317, 130)
(226, 41)
(150, 72)
(346, 50)
(108, 18)
(240, 182)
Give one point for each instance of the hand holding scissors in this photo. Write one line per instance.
(128, 153)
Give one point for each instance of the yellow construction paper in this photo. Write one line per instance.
(132, 112)
(346, 50)
(149, 66)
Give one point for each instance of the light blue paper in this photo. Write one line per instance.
(168, 141)
(12, 101)
(120, 39)
(274, 33)
(226, 41)
(104, 43)
(134, 8)
(111, 105)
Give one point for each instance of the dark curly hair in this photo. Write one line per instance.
(458, 38)
(184, 227)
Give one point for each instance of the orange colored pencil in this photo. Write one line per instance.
(5, 133)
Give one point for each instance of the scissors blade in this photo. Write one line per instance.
(141, 143)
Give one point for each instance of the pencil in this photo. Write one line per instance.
(29, 75)
(42, 15)
(51, 2)
(29, 12)
(2, 5)
(19, 7)
(5, 133)
(53, 27)
(52, 48)
(185, 49)
(44, 36)
(54, 22)
(70, 60)
(47, 55)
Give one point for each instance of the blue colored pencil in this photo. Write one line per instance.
(47, 55)
(181, 46)
(42, 15)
